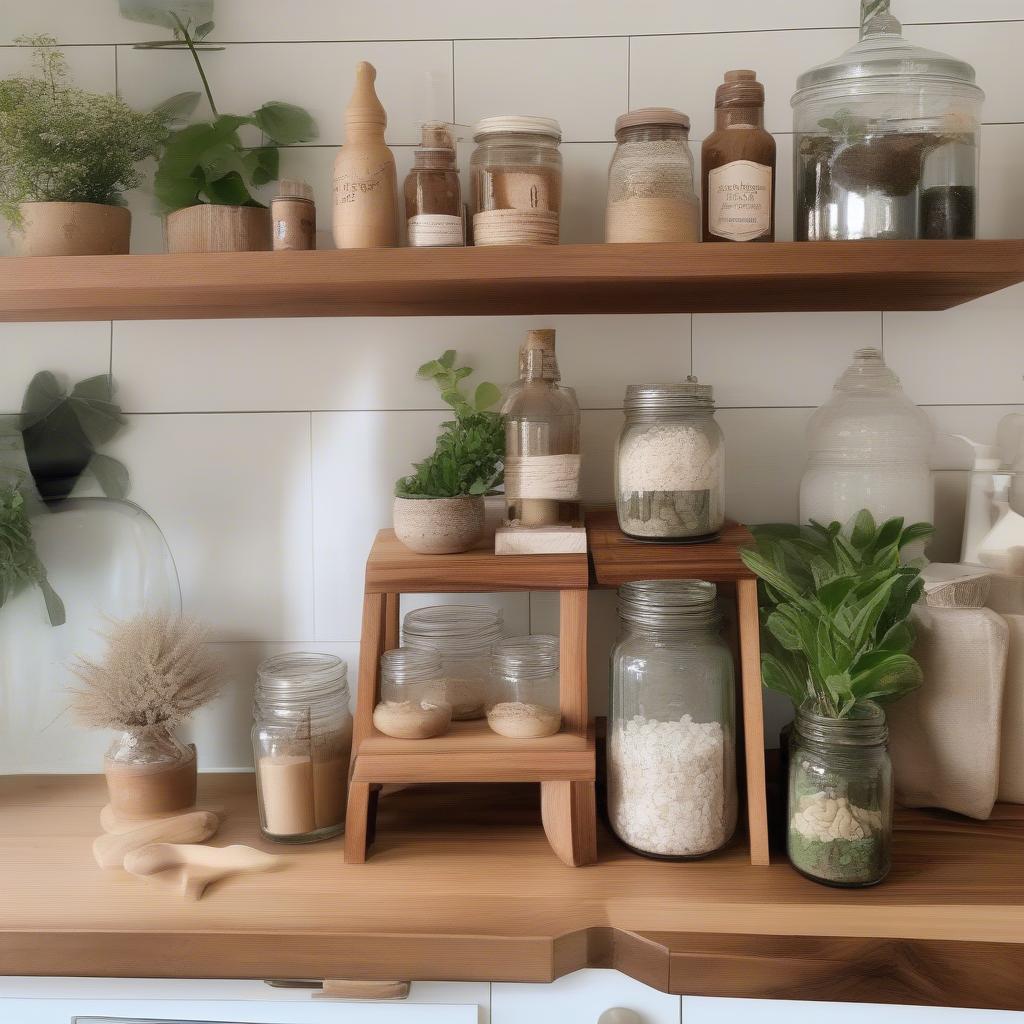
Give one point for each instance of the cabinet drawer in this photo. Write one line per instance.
(781, 1011)
(580, 998)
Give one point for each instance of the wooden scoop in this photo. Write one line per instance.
(194, 827)
(111, 821)
(192, 868)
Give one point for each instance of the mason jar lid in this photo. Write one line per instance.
(669, 604)
(293, 680)
(864, 727)
(453, 628)
(526, 657)
(690, 394)
(517, 124)
(404, 665)
(883, 52)
(666, 116)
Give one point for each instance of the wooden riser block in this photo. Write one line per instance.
(473, 737)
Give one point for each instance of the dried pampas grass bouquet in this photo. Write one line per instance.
(155, 674)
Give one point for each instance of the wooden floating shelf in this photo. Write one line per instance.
(499, 280)
(463, 886)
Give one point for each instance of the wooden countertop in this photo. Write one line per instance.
(463, 886)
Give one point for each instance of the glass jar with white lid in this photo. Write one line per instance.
(302, 741)
(516, 180)
(464, 636)
(670, 463)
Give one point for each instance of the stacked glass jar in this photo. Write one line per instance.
(464, 637)
(671, 724)
(302, 740)
(840, 797)
(670, 463)
(525, 683)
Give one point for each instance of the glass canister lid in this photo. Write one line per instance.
(669, 603)
(653, 117)
(690, 394)
(516, 124)
(884, 53)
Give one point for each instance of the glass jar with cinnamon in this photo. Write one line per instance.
(433, 195)
(738, 165)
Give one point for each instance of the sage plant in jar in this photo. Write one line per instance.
(835, 608)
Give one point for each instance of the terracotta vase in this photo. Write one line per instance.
(209, 228)
(439, 526)
(74, 229)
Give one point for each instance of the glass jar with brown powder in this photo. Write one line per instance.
(302, 739)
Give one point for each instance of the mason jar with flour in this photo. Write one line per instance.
(670, 463)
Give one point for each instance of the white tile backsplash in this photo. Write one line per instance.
(267, 450)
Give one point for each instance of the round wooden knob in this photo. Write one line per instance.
(620, 1015)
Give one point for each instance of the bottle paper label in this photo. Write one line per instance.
(430, 229)
(740, 200)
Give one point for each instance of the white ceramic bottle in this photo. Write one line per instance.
(869, 448)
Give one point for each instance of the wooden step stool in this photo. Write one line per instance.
(619, 559)
(563, 764)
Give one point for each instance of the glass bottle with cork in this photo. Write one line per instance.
(433, 196)
(542, 438)
(738, 165)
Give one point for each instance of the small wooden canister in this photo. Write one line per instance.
(293, 217)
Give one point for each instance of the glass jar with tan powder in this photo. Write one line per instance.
(516, 173)
(302, 739)
(650, 181)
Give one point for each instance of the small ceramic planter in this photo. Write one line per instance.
(439, 526)
(209, 228)
(74, 229)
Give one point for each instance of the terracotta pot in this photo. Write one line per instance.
(439, 526)
(74, 229)
(208, 228)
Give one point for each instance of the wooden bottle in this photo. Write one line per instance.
(365, 183)
(738, 165)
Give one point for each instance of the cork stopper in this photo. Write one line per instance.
(364, 110)
(537, 360)
(436, 148)
(740, 89)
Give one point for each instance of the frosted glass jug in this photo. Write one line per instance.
(869, 448)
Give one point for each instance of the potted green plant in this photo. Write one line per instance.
(206, 174)
(836, 636)
(66, 158)
(439, 509)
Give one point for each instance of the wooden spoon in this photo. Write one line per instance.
(194, 827)
(192, 868)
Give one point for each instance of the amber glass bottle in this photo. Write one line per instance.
(738, 165)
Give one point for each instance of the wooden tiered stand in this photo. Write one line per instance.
(563, 764)
(618, 559)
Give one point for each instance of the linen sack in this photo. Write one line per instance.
(945, 737)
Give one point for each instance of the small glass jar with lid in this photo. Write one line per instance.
(671, 722)
(525, 683)
(651, 197)
(839, 821)
(516, 180)
(464, 636)
(409, 707)
(886, 140)
(302, 740)
(670, 463)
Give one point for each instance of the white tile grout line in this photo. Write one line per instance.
(312, 526)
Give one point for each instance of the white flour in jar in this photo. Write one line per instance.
(667, 791)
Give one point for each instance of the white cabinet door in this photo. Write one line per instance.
(580, 998)
(780, 1011)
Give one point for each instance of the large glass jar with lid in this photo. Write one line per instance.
(869, 448)
(525, 684)
(516, 180)
(651, 197)
(840, 797)
(670, 463)
(302, 740)
(672, 722)
(886, 140)
(464, 636)
(542, 438)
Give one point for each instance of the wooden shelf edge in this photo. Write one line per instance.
(500, 280)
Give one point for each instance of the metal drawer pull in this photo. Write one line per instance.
(620, 1015)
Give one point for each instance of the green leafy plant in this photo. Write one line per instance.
(469, 452)
(20, 565)
(62, 144)
(835, 606)
(208, 162)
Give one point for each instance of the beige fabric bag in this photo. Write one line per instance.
(1011, 770)
(945, 737)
